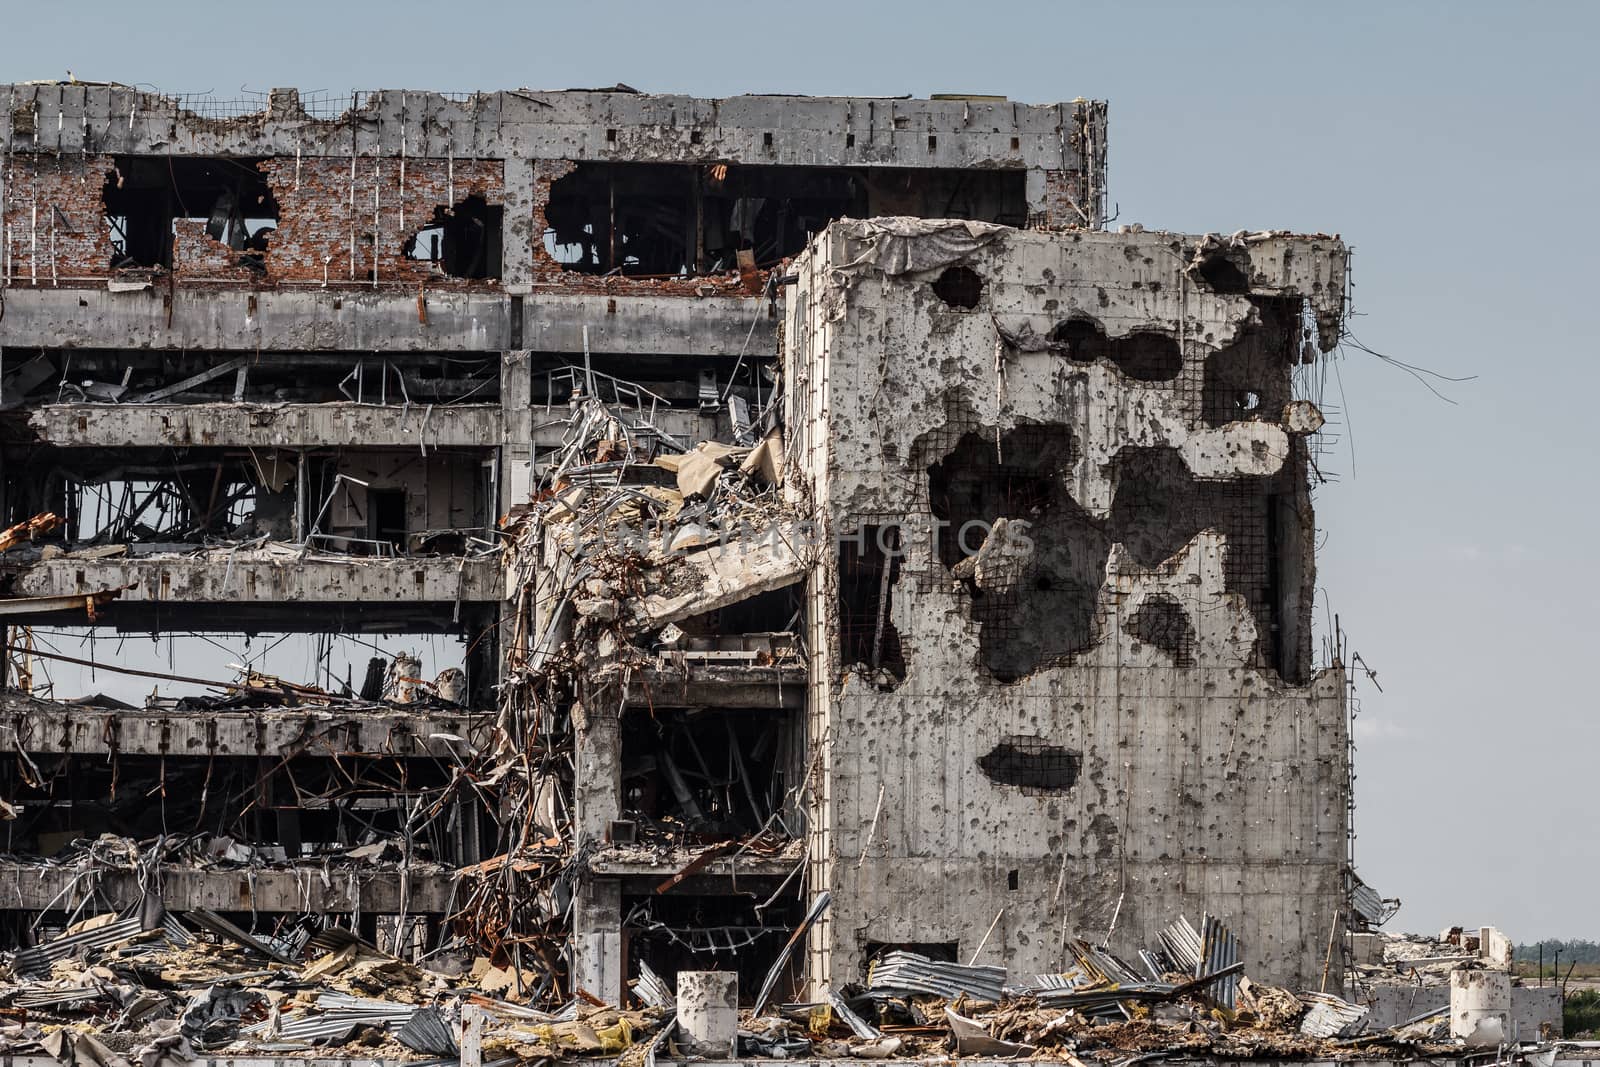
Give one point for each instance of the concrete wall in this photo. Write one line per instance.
(1115, 783)
(1535, 1010)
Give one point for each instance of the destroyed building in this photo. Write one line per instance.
(936, 583)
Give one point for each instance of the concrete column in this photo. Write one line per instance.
(597, 938)
(708, 1012)
(516, 254)
(597, 776)
(1480, 1006)
(516, 421)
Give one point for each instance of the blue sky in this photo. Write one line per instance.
(1453, 145)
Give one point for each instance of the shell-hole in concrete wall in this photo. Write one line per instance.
(1251, 379)
(1161, 622)
(959, 287)
(1145, 355)
(1224, 270)
(1032, 764)
(1032, 562)
(144, 196)
(694, 928)
(463, 240)
(665, 220)
(1160, 506)
(869, 567)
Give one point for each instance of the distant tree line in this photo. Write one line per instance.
(1571, 951)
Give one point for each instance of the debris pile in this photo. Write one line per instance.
(113, 990)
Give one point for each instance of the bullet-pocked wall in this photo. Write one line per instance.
(1061, 681)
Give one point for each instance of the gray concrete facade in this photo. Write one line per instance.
(1061, 679)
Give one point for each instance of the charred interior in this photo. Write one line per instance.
(667, 220)
(706, 774)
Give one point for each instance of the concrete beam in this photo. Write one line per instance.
(573, 124)
(650, 325)
(255, 321)
(682, 424)
(33, 885)
(386, 321)
(55, 728)
(754, 688)
(267, 425)
(629, 863)
(252, 579)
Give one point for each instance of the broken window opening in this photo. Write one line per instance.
(668, 220)
(362, 501)
(145, 196)
(772, 612)
(175, 503)
(711, 773)
(869, 643)
(1144, 355)
(464, 241)
(386, 516)
(340, 663)
(959, 287)
(681, 932)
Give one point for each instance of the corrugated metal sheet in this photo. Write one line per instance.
(902, 973)
(1329, 1016)
(216, 924)
(428, 1031)
(1365, 902)
(337, 1015)
(1210, 949)
(35, 962)
(652, 991)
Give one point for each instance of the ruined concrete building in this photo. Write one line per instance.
(939, 582)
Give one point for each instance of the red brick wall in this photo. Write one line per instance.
(1061, 189)
(317, 216)
(67, 192)
(197, 254)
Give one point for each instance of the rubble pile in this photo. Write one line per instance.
(631, 534)
(152, 985)
(113, 990)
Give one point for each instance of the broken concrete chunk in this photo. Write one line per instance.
(595, 608)
(699, 468)
(1002, 559)
(720, 576)
(1302, 417)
